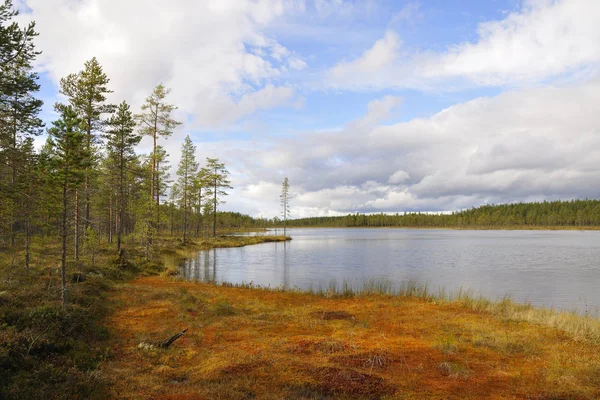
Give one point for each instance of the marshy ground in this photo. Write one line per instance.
(246, 343)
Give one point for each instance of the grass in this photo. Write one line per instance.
(580, 327)
(251, 342)
(47, 352)
(353, 340)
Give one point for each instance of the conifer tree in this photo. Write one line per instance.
(15, 41)
(121, 139)
(285, 202)
(218, 177)
(69, 161)
(156, 120)
(200, 184)
(163, 172)
(19, 111)
(186, 172)
(87, 91)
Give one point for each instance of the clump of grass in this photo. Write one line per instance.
(580, 327)
(447, 345)
(377, 360)
(326, 346)
(505, 344)
(223, 309)
(455, 370)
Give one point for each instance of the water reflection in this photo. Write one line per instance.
(552, 268)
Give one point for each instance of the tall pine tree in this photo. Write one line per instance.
(218, 178)
(186, 172)
(87, 91)
(19, 119)
(156, 120)
(121, 140)
(69, 161)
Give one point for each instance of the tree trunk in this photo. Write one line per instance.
(121, 207)
(157, 198)
(199, 213)
(76, 218)
(110, 216)
(27, 239)
(184, 208)
(87, 173)
(215, 210)
(172, 216)
(63, 263)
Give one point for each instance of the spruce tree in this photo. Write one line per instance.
(121, 139)
(69, 162)
(200, 193)
(285, 202)
(163, 172)
(218, 176)
(186, 172)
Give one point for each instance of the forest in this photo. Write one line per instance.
(84, 212)
(565, 214)
(87, 183)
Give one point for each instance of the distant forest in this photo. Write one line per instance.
(573, 213)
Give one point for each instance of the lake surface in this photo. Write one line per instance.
(559, 269)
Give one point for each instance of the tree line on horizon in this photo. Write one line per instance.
(570, 213)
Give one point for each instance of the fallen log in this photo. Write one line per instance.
(164, 344)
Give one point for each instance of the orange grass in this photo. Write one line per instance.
(249, 343)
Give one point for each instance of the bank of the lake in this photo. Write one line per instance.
(48, 352)
(459, 228)
(558, 269)
(245, 342)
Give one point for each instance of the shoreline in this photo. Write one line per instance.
(466, 228)
(271, 343)
(248, 341)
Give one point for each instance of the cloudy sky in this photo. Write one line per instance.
(365, 105)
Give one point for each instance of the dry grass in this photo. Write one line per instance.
(247, 343)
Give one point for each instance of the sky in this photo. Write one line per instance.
(366, 106)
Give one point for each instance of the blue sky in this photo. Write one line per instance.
(365, 105)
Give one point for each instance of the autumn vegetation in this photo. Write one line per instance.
(92, 234)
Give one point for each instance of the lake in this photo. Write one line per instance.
(559, 269)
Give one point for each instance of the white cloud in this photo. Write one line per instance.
(221, 110)
(398, 177)
(523, 145)
(545, 39)
(213, 50)
(380, 56)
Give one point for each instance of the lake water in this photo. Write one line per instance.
(559, 269)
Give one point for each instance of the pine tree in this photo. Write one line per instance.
(163, 172)
(154, 121)
(186, 172)
(15, 42)
(200, 184)
(86, 91)
(28, 186)
(218, 176)
(19, 111)
(285, 202)
(121, 140)
(69, 161)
